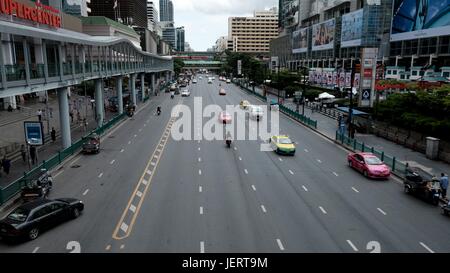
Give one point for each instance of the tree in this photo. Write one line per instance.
(178, 65)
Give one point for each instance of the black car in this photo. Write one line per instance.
(28, 220)
(422, 184)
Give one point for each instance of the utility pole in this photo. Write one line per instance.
(350, 110)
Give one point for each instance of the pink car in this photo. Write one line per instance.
(368, 164)
(225, 117)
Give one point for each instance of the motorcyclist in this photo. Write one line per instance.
(158, 110)
(228, 140)
(172, 94)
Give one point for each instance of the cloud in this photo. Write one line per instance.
(228, 7)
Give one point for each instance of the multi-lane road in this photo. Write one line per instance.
(146, 192)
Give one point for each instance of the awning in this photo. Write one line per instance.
(354, 111)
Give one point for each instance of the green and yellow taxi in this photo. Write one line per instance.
(282, 144)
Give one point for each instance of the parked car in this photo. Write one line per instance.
(222, 92)
(30, 219)
(369, 165)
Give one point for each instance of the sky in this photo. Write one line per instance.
(205, 21)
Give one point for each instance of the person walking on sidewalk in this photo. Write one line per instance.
(53, 134)
(444, 185)
(33, 154)
(6, 164)
(39, 114)
(23, 153)
(71, 116)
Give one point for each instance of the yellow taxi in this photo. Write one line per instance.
(282, 144)
(244, 104)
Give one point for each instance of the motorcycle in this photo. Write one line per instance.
(172, 96)
(228, 142)
(158, 112)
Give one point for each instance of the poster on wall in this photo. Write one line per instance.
(352, 24)
(348, 79)
(335, 78)
(324, 77)
(323, 35)
(330, 78)
(420, 19)
(356, 80)
(300, 40)
(342, 79)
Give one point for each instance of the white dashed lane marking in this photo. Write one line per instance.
(100, 175)
(240, 158)
(323, 210)
(199, 148)
(253, 187)
(36, 249)
(280, 159)
(280, 245)
(291, 172)
(200, 189)
(202, 247)
(199, 159)
(129, 142)
(108, 247)
(352, 245)
(304, 188)
(318, 160)
(112, 162)
(382, 212)
(122, 150)
(426, 247)
(335, 174)
(199, 172)
(201, 210)
(354, 189)
(306, 150)
(263, 208)
(245, 170)
(85, 192)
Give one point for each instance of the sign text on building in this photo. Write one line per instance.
(39, 13)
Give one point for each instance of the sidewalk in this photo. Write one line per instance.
(328, 126)
(13, 132)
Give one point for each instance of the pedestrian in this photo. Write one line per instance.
(53, 134)
(39, 114)
(71, 116)
(33, 155)
(78, 116)
(6, 164)
(444, 185)
(51, 112)
(23, 153)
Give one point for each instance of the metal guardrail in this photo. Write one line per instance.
(397, 167)
(291, 113)
(12, 189)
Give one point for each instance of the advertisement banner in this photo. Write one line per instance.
(335, 76)
(324, 77)
(300, 40)
(342, 80)
(239, 67)
(348, 79)
(356, 80)
(329, 78)
(420, 19)
(34, 135)
(352, 24)
(323, 35)
(365, 97)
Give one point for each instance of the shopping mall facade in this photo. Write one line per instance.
(356, 43)
(44, 49)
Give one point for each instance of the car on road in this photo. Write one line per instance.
(30, 219)
(209, 81)
(422, 184)
(256, 112)
(225, 117)
(282, 144)
(185, 93)
(91, 144)
(222, 92)
(244, 104)
(200, 78)
(228, 81)
(194, 81)
(369, 165)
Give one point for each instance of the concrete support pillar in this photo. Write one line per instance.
(153, 83)
(64, 118)
(11, 101)
(99, 102)
(143, 86)
(133, 88)
(119, 84)
(38, 51)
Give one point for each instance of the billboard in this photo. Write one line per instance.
(414, 19)
(352, 24)
(34, 135)
(300, 40)
(323, 35)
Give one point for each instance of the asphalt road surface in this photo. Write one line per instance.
(146, 192)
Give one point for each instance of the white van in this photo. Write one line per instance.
(256, 112)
